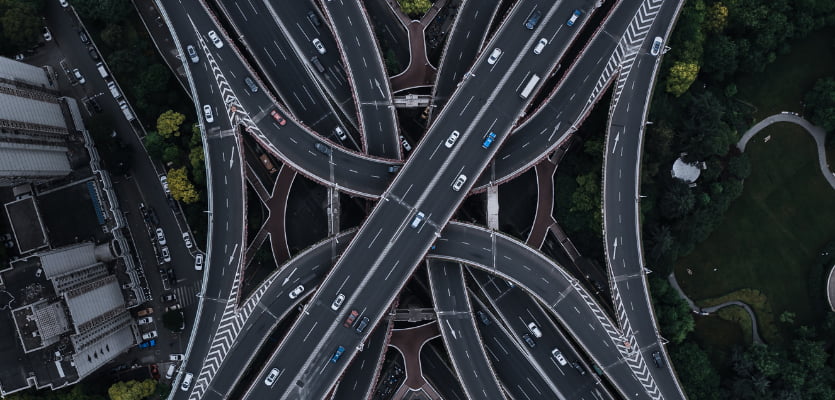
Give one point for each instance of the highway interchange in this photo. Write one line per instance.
(371, 265)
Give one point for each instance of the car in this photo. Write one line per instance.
(319, 46)
(278, 118)
(175, 307)
(323, 149)
(83, 36)
(656, 358)
(163, 180)
(160, 233)
(270, 379)
(154, 371)
(149, 335)
(656, 45)
(488, 140)
(176, 357)
(19, 57)
(215, 39)
(576, 14)
(362, 324)
(47, 35)
(349, 322)
(251, 84)
(456, 186)
(540, 45)
(64, 3)
(192, 54)
(198, 261)
(340, 133)
(78, 76)
(93, 53)
(579, 368)
(207, 112)
(393, 168)
(186, 381)
(147, 311)
(534, 329)
(483, 317)
(145, 345)
(533, 19)
(494, 56)
(337, 302)
(558, 356)
(406, 145)
(187, 240)
(170, 372)
(169, 297)
(166, 254)
(296, 292)
(418, 219)
(337, 354)
(529, 340)
(313, 18)
(93, 105)
(450, 141)
(145, 320)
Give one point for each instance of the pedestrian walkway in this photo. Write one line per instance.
(709, 310)
(409, 343)
(817, 133)
(419, 72)
(544, 216)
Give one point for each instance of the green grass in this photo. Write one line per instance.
(772, 233)
(783, 84)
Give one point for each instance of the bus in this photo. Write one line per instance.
(529, 87)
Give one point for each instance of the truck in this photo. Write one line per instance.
(114, 90)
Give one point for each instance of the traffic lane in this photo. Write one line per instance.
(455, 317)
(439, 375)
(519, 378)
(357, 381)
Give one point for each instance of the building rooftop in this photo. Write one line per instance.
(67, 259)
(25, 219)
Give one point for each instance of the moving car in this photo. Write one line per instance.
(578, 367)
(362, 324)
(488, 140)
(529, 340)
(340, 133)
(656, 46)
(278, 118)
(406, 145)
(349, 322)
(323, 149)
(313, 18)
(337, 354)
(494, 56)
(296, 292)
(540, 45)
(198, 261)
(450, 141)
(251, 84)
(483, 317)
(186, 382)
(64, 3)
(534, 329)
(270, 379)
(533, 19)
(558, 356)
(576, 14)
(337, 302)
(161, 234)
(192, 54)
(207, 112)
(456, 186)
(418, 219)
(656, 358)
(215, 39)
(319, 46)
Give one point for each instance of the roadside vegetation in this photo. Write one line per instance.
(732, 63)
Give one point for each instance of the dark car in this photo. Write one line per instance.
(362, 325)
(323, 149)
(656, 358)
(579, 368)
(83, 36)
(93, 53)
(529, 340)
(313, 18)
(251, 84)
(483, 317)
(533, 19)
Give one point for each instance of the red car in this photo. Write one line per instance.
(278, 118)
(351, 318)
(154, 371)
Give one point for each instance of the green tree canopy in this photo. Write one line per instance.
(681, 76)
(820, 104)
(21, 25)
(131, 390)
(414, 7)
(168, 123)
(181, 187)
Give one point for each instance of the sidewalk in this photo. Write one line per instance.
(419, 72)
(409, 343)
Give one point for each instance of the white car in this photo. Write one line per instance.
(540, 45)
(187, 240)
(186, 382)
(534, 329)
(64, 3)
(418, 219)
(340, 133)
(558, 356)
(450, 141)
(161, 237)
(198, 261)
(456, 186)
(145, 320)
(215, 39)
(166, 254)
(163, 180)
(296, 292)
(192, 54)
(271, 377)
(494, 56)
(406, 145)
(149, 335)
(319, 46)
(78, 76)
(176, 357)
(207, 112)
(656, 45)
(47, 35)
(337, 302)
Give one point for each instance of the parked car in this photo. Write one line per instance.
(47, 35)
(145, 345)
(145, 320)
(163, 180)
(187, 240)
(406, 145)
(169, 297)
(349, 322)
(337, 302)
(149, 335)
(147, 311)
(176, 357)
(198, 261)
(77, 74)
(166, 254)
(186, 381)
(83, 36)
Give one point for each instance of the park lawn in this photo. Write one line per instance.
(783, 83)
(771, 235)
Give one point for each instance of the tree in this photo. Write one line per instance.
(173, 321)
(131, 390)
(103, 10)
(720, 60)
(414, 7)
(674, 316)
(677, 201)
(697, 375)
(155, 145)
(112, 34)
(820, 104)
(681, 76)
(716, 17)
(169, 122)
(739, 166)
(21, 25)
(181, 188)
(587, 198)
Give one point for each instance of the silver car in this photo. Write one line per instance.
(456, 186)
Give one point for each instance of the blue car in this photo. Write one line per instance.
(488, 140)
(533, 19)
(338, 354)
(150, 343)
(574, 16)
